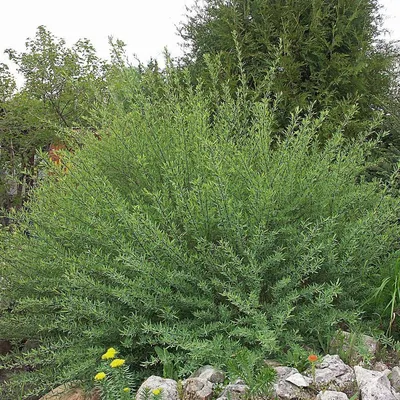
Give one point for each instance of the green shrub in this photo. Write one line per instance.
(247, 366)
(197, 233)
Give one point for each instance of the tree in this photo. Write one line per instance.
(325, 52)
(66, 80)
(22, 133)
(7, 83)
(62, 88)
(7, 88)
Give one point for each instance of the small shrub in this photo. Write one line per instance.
(113, 378)
(296, 357)
(166, 359)
(250, 367)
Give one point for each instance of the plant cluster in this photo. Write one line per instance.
(113, 378)
(249, 367)
(191, 227)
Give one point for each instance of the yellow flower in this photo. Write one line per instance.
(111, 352)
(127, 390)
(156, 392)
(117, 363)
(100, 376)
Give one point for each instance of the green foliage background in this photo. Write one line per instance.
(189, 226)
(330, 53)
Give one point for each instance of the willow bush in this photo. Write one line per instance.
(193, 231)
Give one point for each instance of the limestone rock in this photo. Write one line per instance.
(197, 389)
(234, 392)
(69, 391)
(284, 372)
(370, 343)
(169, 387)
(283, 387)
(380, 366)
(349, 342)
(395, 394)
(299, 380)
(210, 373)
(394, 378)
(333, 374)
(331, 395)
(373, 385)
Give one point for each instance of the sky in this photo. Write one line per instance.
(391, 12)
(146, 26)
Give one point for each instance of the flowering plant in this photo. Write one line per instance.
(151, 394)
(113, 379)
(312, 358)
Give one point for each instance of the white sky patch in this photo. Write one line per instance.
(145, 26)
(391, 14)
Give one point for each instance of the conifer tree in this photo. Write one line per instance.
(325, 52)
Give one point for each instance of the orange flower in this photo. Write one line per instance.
(312, 358)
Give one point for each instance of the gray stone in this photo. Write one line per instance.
(394, 378)
(386, 372)
(298, 380)
(331, 395)
(169, 388)
(373, 385)
(350, 342)
(395, 394)
(286, 390)
(210, 373)
(333, 374)
(380, 366)
(370, 343)
(197, 389)
(234, 392)
(284, 372)
(71, 391)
